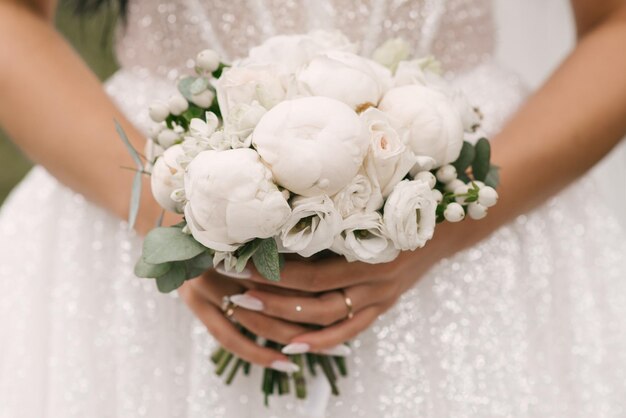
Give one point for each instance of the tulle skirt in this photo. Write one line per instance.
(529, 323)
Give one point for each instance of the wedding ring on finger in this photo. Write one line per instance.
(228, 308)
(348, 302)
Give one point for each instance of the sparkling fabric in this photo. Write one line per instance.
(530, 323)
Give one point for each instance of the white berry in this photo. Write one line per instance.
(204, 99)
(427, 177)
(461, 190)
(476, 211)
(154, 130)
(167, 138)
(437, 195)
(454, 212)
(177, 104)
(487, 196)
(480, 184)
(208, 60)
(158, 111)
(446, 174)
(453, 185)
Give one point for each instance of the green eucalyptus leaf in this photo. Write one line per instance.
(480, 166)
(131, 150)
(173, 279)
(135, 199)
(170, 244)
(150, 271)
(184, 87)
(245, 253)
(493, 176)
(266, 260)
(199, 85)
(220, 69)
(199, 264)
(466, 157)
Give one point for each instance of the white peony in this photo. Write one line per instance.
(432, 122)
(357, 196)
(246, 85)
(424, 71)
(388, 159)
(312, 227)
(392, 52)
(231, 199)
(313, 145)
(346, 77)
(363, 238)
(410, 214)
(240, 123)
(290, 52)
(167, 178)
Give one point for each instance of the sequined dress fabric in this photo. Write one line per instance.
(529, 323)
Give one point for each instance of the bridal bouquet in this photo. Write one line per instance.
(301, 147)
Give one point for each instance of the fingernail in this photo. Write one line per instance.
(338, 350)
(284, 366)
(296, 348)
(247, 302)
(244, 274)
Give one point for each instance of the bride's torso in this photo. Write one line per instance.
(161, 36)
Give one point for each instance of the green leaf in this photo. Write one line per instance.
(493, 176)
(135, 199)
(184, 86)
(199, 85)
(170, 244)
(173, 279)
(131, 150)
(245, 252)
(199, 264)
(220, 69)
(480, 166)
(466, 157)
(146, 270)
(266, 260)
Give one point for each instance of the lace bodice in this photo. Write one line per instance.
(162, 36)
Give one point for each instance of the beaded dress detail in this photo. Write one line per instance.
(529, 323)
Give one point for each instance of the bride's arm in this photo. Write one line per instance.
(56, 111)
(565, 128)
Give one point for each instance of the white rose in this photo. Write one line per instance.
(363, 238)
(312, 227)
(231, 199)
(346, 77)
(246, 85)
(392, 52)
(410, 214)
(388, 160)
(167, 178)
(240, 123)
(290, 52)
(433, 123)
(313, 145)
(356, 197)
(425, 71)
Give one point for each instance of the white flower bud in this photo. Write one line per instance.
(204, 99)
(446, 174)
(437, 195)
(460, 191)
(454, 212)
(480, 184)
(167, 138)
(453, 185)
(158, 111)
(428, 177)
(208, 60)
(476, 211)
(155, 130)
(487, 196)
(177, 104)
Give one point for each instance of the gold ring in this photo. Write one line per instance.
(348, 302)
(228, 308)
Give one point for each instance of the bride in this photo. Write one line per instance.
(530, 322)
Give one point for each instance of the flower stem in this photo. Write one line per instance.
(311, 361)
(283, 383)
(217, 355)
(233, 371)
(341, 365)
(327, 368)
(298, 377)
(224, 361)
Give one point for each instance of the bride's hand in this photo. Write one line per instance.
(334, 285)
(204, 295)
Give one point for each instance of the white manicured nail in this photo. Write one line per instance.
(284, 366)
(244, 274)
(338, 350)
(296, 348)
(247, 302)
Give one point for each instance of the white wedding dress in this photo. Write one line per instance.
(530, 323)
